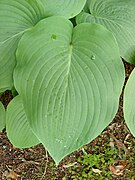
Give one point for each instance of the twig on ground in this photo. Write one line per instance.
(46, 164)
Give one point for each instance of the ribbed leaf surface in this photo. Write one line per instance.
(17, 126)
(16, 16)
(117, 16)
(68, 8)
(70, 80)
(129, 103)
(2, 117)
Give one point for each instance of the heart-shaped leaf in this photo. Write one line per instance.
(118, 17)
(70, 80)
(129, 103)
(16, 17)
(68, 8)
(2, 117)
(17, 126)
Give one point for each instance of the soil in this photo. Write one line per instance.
(35, 163)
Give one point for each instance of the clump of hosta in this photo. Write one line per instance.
(68, 77)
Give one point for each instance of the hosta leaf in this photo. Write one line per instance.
(129, 103)
(68, 8)
(17, 126)
(117, 16)
(16, 16)
(70, 81)
(2, 117)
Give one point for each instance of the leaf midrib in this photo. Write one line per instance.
(12, 37)
(70, 54)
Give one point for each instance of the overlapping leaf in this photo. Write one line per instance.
(17, 126)
(68, 8)
(117, 16)
(2, 117)
(129, 103)
(70, 80)
(16, 16)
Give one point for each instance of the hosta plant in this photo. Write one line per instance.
(129, 103)
(2, 117)
(118, 17)
(68, 78)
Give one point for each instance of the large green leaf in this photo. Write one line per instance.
(70, 80)
(68, 8)
(17, 126)
(16, 17)
(117, 16)
(2, 117)
(129, 103)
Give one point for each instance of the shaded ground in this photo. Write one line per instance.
(110, 156)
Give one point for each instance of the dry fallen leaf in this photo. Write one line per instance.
(12, 175)
(69, 165)
(96, 171)
(116, 170)
(119, 168)
(122, 163)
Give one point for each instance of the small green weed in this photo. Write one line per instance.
(90, 162)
